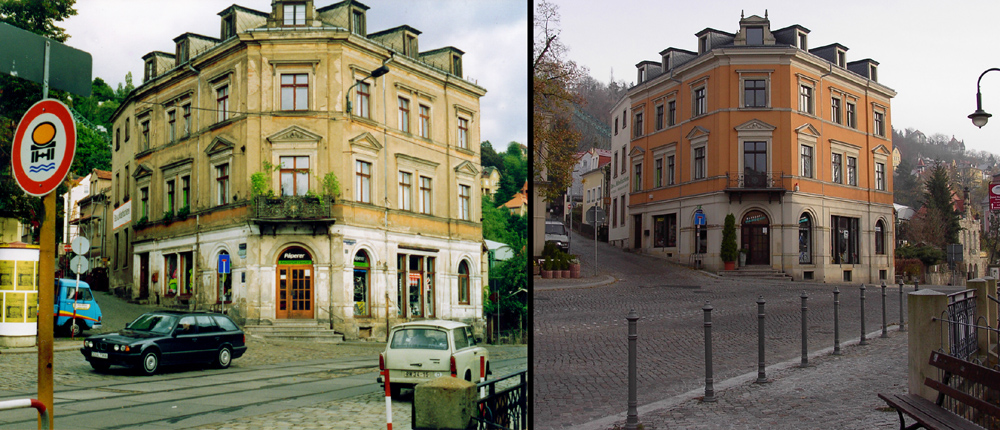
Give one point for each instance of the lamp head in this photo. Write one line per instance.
(380, 71)
(979, 117)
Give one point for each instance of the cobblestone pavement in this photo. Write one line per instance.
(580, 335)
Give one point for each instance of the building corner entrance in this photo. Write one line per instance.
(295, 284)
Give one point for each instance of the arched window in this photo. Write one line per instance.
(362, 307)
(879, 237)
(805, 239)
(463, 283)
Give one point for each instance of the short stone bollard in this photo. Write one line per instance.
(709, 389)
(885, 328)
(761, 377)
(805, 347)
(863, 340)
(444, 403)
(632, 416)
(902, 326)
(836, 321)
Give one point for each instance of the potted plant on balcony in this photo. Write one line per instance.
(183, 213)
(142, 222)
(729, 253)
(168, 216)
(331, 186)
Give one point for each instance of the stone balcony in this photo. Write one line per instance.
(310, 212)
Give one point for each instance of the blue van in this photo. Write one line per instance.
(88, 313)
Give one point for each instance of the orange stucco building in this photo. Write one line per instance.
(795, 142)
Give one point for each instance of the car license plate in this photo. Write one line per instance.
(415, 374)
(99, 355)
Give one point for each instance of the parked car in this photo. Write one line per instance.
(69, 295)
(555, 232)
(166, 338)
(425, 350)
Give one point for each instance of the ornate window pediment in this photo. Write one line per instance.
(881, 149)
(755, 125)
(366, 142)
(697, 132)
(294, 134)
(142, 171)
(219, 145)
(807, 129)
(466, 168)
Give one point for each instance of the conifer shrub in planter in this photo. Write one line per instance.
(729, 253)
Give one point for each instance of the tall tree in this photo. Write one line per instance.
(905, 186)
(554, 140)
(513, 174)
(938, 197)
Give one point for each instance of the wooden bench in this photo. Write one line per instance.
(974, 388)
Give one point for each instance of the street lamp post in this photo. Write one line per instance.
(980, 117)
(383, 69)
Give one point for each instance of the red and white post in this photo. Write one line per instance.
(388, 401)
(482, 376)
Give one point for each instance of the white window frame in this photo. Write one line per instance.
(803, 165)
(359, 186)
(405, 197)
(755, 75)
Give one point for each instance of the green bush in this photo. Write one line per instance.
(168, 216)
(928, 255)
(183, 212)
(729, 253)
(331, 186)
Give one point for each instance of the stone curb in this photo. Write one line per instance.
(60, 346)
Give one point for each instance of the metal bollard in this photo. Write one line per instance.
(805, 347)
(863, 340)
(902, 326)
(761, 377)
(916, 286)
(632, 419)
(836, 321)
(885, 328)
(709, 390)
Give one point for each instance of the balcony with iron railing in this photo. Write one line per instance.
(313, 212)
(751, 182)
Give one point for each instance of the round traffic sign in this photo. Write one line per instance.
(81, 245)
(79, 264)
(43, 148)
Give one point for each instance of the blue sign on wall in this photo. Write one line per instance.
(223, 263)
(699, 217)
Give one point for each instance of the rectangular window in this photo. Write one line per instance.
(755, 35)
(658, 173)
(118, 135)
(754, 93)
(170, 196)
(670, 170)
(222, 102)
(144, 203)
(806, 99)
(614, 212)
(659, 117)
(295, 91)
(880, 176)
(358, 22)
(807, 160)
(845, 241)
(463, 133)
(405, 187)
(128, 129)
(665, 231)
(228, 26)
(852, 115)
(835, 110)
(144, 139)
(295, 14)
(671, 113)
(363, 93)
(838, 168)
(363, 183)
(425, 122)
(222, 184)
(614, 172)
(187, 119)
(182, 51)
(699, 163)
(172, 126)
(699, 102)
(185, 193)
(879, 124)
(294, 175)
(637, 177)
(463, 202)
(404, 115)
(879, 238)
(852, 171)
(425, 195)
(616, 126)
(638, 124)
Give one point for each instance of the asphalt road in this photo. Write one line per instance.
(580, 335)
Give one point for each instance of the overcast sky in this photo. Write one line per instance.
(492, 33)
(930, 52)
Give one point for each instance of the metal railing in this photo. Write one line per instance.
(504, 409)
(755, 180)
(962, 317)
(292, 207)
(43, 413)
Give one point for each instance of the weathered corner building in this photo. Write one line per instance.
(284, 154)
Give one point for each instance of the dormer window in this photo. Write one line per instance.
(456, 65)
(410, 46)
(228, 26)
(703, 44)
(182, 51)
(873, 72)
(841, 58)
(150, 70)
(642, 75)
(358, 23)
(666, 62)
(803, 41)
(755, 35)
(295, 14)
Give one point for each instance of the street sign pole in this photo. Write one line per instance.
(47, 282)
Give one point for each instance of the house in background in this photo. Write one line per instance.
(490, 181)
(794, 141)
(518, 205)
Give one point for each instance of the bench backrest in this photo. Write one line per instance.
(979, 387)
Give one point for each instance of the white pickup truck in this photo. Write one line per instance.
(425, 350)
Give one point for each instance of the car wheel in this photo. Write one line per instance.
(100, 366)
(395, 391)
(224, 358)
(150, 362)
(73, 328)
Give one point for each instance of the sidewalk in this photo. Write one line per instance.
(832, 392)
(57, 345)
(540, 284)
